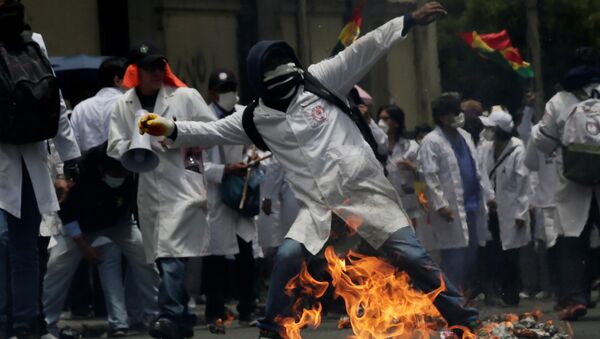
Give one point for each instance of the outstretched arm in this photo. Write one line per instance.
(344, 70)
(227, 131)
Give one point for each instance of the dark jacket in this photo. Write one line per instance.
(93, 203)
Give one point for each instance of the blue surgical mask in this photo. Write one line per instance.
(113, 182)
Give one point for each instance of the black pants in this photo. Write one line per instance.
(574, 263)
(503, 265)
(215, 276)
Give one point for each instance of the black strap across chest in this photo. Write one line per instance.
(311, 84)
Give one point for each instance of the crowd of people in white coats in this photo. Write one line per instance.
(241, 196)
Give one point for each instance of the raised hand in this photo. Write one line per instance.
(428, 13)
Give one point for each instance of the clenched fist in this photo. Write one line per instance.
(156, 125)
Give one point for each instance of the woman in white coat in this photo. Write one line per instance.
(402, 160)
(503, 161)
(171, 199)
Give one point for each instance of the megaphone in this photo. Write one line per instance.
(139, 158)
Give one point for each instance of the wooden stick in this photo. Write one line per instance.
(254, 162)
(247, 179)
(245, 191)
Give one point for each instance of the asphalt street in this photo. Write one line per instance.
(586, 328)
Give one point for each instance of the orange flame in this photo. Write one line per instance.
(306, 286)
(379, 300)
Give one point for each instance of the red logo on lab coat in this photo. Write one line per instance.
(318, 115)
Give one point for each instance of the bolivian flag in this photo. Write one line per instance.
(351, 31)
(498, 47)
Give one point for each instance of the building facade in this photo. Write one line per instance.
(201, 35)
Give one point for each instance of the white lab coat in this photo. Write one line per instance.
(573, 201)
(511, 181)
(329, 166)
(284, 207)
(439, 168)
(35, 157)
(544, 181)
(403, 179)
(171, 200)
(225, 223)
(381, 138)
(91, 118)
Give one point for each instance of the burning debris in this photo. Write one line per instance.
(528, 325)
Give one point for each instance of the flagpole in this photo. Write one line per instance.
(533, 40)
(303, 38)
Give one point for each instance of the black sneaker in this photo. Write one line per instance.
(117, 333)
(164, 329)
(216, 326)
(25, 333)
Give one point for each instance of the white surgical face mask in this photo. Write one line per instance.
(113, 182)
(488, 134)
(458, 120)
(228, 100)
(383, 125)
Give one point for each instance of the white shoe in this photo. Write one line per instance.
(48, 336)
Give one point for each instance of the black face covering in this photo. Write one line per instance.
(279, 88)
(12, 20)
(266, 56)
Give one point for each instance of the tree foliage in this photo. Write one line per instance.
(564, 25)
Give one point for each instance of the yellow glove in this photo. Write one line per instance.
(155, 125)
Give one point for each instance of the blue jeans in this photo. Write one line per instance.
(458, 263)
(21, 236)
(110, 271)
(65, 256)
(402, 249)
(3, 268)
(172, 292)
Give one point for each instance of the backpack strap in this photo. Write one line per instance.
(500, 161)
(580, 94)
(250, 127)
(312, 84)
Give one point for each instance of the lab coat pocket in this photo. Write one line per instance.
(354, 165)
(197, 184)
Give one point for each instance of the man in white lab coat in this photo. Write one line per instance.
(231, 232)
(171, 198)
(331, 169)
(456, 189)
(90, 118)
(26, 191)
(576, 205)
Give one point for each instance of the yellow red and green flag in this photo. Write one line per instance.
(499, 48)
(351, 30)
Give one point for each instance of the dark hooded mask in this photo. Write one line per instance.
(274, 72)
(12, 23)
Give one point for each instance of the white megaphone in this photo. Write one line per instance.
(140, 157)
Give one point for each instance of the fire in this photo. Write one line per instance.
(379, 299)
(310, 290)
